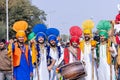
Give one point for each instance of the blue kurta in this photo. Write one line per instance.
(22, 72)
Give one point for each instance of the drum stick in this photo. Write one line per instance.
(111, 66)
(110, 71)
(12, 60)
(93, 64)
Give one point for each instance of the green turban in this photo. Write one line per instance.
(31, 36)
(103, 33)
(103, 27)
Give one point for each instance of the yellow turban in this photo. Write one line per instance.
(87, 31)
(87, 26)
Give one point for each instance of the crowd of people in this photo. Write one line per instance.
(40, 55)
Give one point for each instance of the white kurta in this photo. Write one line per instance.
(104, 68)
(88, 61)
(71, 59)
(54, 55)
(43, 70)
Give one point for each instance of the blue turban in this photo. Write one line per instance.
(52, 37)
(52, 34)
(40, 31)
(39, 28)
(40, 34)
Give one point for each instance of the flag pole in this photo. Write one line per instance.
(7, 20)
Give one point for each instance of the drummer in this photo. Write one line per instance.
(87, 46)
(73, 52)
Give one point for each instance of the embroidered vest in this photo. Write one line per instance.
(67, 55)
(17, 54)
(49, 58)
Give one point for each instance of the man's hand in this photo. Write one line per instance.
(111, 50)
(14, 78)
(57, 70)
(83, 62)
(31, 74)
(49, 68)
(11, 41)
(92, 48)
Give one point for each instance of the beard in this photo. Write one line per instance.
(53, 44)
(102, 40)
(87, 38)
(75, 45)
(21, 42)
(41, 42)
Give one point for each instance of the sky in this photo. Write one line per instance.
(62, 14)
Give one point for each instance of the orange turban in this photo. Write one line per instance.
(21, 34)
(20, 27)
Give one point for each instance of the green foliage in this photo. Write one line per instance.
(21, 10)
(2, 31)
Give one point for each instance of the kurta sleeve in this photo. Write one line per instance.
(115, 52)
(30, 62)
(95, 56)
(82, 56)
(60, 59)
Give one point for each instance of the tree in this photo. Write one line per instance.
(21, 10)
(2, 31)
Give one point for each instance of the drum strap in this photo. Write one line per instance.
(66, 55)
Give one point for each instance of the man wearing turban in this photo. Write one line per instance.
(87, 46)
(53, 51)
(105, 51)
(72, 53)
(41, 69)
(22, 63)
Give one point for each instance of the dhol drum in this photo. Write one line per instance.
(73, 71)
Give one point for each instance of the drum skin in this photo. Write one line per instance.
(73, 71)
